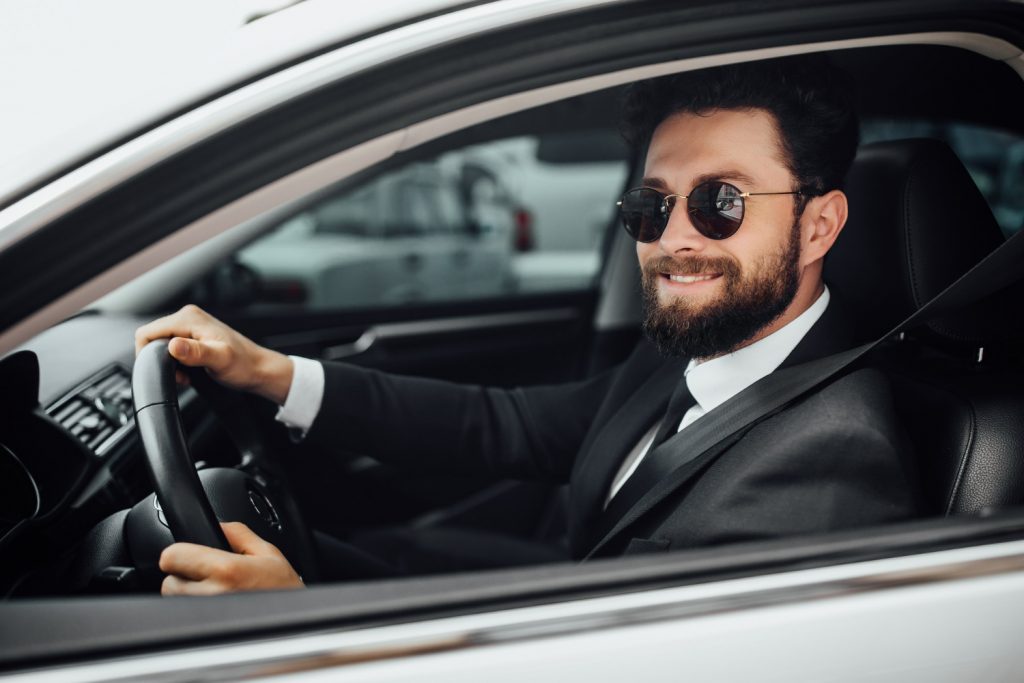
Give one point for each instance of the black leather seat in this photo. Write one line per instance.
(918, 222)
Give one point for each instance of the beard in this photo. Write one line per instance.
(688, 329)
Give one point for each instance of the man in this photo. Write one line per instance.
(739, 205)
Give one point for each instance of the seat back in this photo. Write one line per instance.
(967, 425)
(917, 223)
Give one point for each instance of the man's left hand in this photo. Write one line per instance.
(200, 570)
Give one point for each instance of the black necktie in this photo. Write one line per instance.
(681, 401)
(655, 465)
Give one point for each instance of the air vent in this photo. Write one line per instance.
(99, 412)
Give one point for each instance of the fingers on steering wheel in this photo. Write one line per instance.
(191, 352)
(167, 326)
(245, 541)
(172, 585)
(191, 561)
(211, 354)
(178, 324)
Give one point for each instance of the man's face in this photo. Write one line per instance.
(735, 287)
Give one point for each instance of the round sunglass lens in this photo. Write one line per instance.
(642, 213)
(716, 209)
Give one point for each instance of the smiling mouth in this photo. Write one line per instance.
(688, 279)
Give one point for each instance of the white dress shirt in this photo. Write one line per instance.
(712, 383)
(305, 395)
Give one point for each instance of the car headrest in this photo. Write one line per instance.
(917, 222)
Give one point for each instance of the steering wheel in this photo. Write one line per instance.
(187, 504)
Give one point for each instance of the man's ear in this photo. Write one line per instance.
(822, 221)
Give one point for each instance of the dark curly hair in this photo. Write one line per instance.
(813, 103)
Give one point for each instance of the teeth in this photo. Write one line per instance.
(690, 278)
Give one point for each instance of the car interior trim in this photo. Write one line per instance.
(616, 307)
(15, 468)
(417, 134)
(328, 650)
(117, 418)
(433, 326)
(22, 219)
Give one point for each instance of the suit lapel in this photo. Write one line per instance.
(678, 477)
(829, 335)
(615, 440)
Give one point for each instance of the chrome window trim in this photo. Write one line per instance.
(332, 650)
(36, 210)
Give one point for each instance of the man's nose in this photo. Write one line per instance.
(680, 235)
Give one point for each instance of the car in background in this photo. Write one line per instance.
(416, 235)
(511, 216)
(562, 182)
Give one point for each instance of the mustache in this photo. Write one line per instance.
(693, 265)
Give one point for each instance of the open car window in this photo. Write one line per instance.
(500, 219)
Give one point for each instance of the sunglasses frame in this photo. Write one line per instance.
(667, 210)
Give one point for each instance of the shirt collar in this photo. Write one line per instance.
(713, 382)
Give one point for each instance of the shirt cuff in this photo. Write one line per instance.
(305, 395)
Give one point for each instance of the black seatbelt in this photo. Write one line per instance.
(723, 426)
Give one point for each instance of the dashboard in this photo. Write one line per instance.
(70, 458)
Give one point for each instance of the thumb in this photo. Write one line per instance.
(244, 540)
(195, 353)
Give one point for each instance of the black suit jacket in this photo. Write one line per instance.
(835, 459)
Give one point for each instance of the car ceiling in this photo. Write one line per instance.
(905, 81)
(929, 82)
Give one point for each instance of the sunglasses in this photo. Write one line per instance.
(715, 209)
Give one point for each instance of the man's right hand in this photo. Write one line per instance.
(197, 339)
